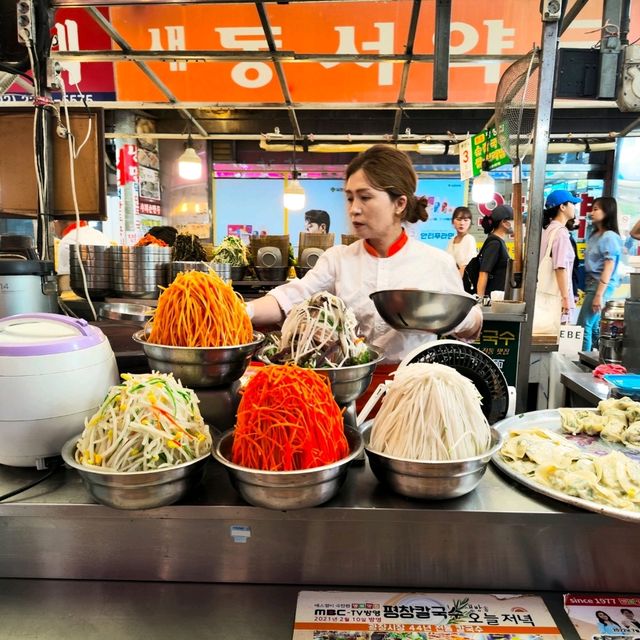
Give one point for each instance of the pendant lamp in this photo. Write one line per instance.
(189, 163)
(484, 186)
(294, 196)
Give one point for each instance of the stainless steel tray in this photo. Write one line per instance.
(125, 311)
(549, 419)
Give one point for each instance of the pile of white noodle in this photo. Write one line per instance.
(150, 421)
(430, 413)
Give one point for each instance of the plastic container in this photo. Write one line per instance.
(624, 385)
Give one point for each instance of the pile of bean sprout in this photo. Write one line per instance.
(150, 421)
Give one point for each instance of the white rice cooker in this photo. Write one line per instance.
(54, 372)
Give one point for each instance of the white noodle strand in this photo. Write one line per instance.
(430, 412)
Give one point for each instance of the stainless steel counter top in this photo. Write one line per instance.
(498, 537)
(68, 610)
(488, 314)
(587, 388)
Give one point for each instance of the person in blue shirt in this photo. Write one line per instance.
(606, 624)
(601, 261)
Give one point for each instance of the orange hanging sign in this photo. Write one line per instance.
(502, 27)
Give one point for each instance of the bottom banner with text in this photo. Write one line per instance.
(343, 615)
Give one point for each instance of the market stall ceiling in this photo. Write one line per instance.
(308, 68)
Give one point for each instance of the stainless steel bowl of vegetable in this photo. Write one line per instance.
(429, 480)
(412, 309)
(200, 366)
(349, 382)
(138, 489)
(288, 489)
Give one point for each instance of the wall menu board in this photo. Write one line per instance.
(148, 169)
(19, 192)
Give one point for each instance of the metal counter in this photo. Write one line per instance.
(498, 537)
(585, 390)
(68, 610)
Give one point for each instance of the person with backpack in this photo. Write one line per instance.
(493, 258)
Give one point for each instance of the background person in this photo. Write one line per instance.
(575, 271)
(316, 221)
(495, 255)
(606, 624)
(629, 620)
(380, 189)
(601, 260)
(70, 233)
(463, 245)
(559, 210)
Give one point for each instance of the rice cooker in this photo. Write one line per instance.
(55, 371)
(26, 284)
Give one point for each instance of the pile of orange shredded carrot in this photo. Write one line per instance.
(200, 310)
(288, 420)
(150, 240)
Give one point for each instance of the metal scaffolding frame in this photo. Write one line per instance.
(440, 59)
(551, 31)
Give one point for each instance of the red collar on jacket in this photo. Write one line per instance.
(403, 238)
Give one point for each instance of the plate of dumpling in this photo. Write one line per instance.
(589, 458)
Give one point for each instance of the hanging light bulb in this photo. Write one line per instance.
(484, 186)
(294, 195)
(189, 163)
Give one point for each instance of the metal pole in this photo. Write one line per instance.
(441, 50)
(536, 194)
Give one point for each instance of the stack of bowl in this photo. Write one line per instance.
(181, 266)
(97, 265)
(138, 272)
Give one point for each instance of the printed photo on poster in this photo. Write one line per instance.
(599, 617)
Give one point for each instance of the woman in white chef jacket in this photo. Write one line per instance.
(380, 189)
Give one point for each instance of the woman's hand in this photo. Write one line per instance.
(566, 304)
(596, 306)
(470, 328)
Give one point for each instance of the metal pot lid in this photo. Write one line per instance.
(12, 267)
(37, 334)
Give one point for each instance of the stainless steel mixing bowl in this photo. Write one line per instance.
(139, 489)
(200, 366)
(430, 480)
(422, 310)
(287, 489)
(349, 383)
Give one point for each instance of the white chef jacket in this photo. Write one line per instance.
(86, 235)
(351, 273)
